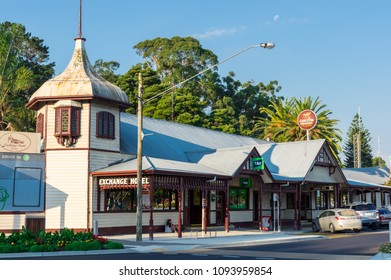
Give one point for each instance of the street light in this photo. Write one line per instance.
(140, 134)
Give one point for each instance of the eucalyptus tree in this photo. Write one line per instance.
(236, 105)
(281, 122)
(106, 69)
(174, 61)
(23, 68)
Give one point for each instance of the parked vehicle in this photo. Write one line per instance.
(337, 220)
(368, 213)
(384, 216)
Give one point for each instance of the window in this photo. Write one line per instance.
(67, 126)
(121, 200)
(322, 157)
(290, 201)
(238, 199)
(126, 199)
(40, 125)
(105, 125)
(165, 199)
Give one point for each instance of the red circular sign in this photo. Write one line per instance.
(307, 120)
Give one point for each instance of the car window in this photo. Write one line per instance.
(347, 212)
(364, 207)
(384, 211)
(324, 214)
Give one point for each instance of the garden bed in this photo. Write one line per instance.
(65, 240)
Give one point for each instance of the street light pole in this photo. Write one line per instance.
(139, 226)
(140, 129)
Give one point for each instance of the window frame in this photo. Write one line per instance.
(105, 125)
(236, 205)
(67, 124)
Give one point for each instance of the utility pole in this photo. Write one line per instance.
(139, 217)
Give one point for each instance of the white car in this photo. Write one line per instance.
(337, 220)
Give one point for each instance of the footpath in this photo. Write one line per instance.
(192, 241)
(168, 242)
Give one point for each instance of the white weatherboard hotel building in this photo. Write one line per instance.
(192, 175)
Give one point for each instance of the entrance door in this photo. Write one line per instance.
(220, 207)
(195, 202)
(255, 206)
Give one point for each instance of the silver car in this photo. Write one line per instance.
(337, 220)
(384, 216)
(368, 213)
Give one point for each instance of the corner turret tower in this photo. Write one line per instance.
(78, 116)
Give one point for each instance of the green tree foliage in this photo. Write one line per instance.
(22, 71)
(235, 106)
(378, 161)
(281, 123)
(106, 69)
(358, 134)
(175, 60)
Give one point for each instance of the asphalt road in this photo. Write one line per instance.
(339, 246)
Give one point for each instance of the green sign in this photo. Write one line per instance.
(258, 164)
(245, 182)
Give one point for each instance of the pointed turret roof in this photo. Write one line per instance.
(78, 82)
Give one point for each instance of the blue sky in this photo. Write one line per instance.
(336, 50)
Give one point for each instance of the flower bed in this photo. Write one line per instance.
(65, 240)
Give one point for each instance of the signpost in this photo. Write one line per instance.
(307, 120)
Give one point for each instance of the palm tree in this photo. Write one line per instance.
(281, 124)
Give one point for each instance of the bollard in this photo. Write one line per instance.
(95, 227)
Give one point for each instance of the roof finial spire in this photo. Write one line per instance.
(80, 33)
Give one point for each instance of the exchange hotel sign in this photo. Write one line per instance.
(121, 181)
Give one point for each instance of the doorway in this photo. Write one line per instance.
(195, 203)
(220, 207)
(255, 206)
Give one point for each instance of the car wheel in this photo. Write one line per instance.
(314, 228)
(356, 230)
(332, 228)
(374, 227)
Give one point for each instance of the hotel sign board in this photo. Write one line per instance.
(22, 185)
(121, 181)
(19, 142)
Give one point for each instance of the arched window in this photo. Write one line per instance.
(105, 126)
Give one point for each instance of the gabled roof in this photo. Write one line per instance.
(78, 81)
(175, 141)
(290, 161)
(367, 176)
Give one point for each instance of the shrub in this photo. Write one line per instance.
(114, 245)
(66, 239)
(385, 247)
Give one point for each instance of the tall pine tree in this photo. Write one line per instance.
(358, 139)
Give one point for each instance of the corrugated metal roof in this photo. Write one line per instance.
(175, 141)
(367, 176)
(80, 81)
(158, 164)
(290, 160)
(227, 160)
